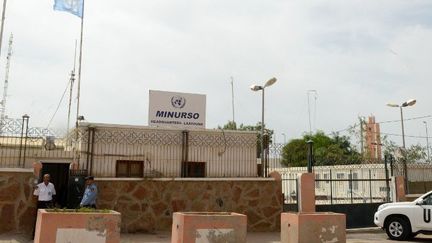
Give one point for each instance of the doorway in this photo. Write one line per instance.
(59, 173)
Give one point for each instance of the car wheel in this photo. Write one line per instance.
(398, 229)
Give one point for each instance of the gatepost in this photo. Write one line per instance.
(307, 225)
(398, 189)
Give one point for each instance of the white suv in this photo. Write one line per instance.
(403, 220)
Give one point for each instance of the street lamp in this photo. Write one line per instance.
(255, 87)
(427, 140)
(284, 135)
(410, 102)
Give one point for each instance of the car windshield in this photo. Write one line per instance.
(424, 196)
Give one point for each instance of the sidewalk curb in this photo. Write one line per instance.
(364, 230)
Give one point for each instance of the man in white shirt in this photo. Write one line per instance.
(45, 192)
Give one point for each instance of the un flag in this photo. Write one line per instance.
(75, 7)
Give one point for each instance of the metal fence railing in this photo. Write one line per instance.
(131, 151)
(21, 145)
(340, 184)
(350, 191)
(289, 189)
(341, 191)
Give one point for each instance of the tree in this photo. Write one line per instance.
(414, 153)
(231, 125)
(268, 133)
(294, 153)
(328, 150)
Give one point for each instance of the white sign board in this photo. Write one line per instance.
(173, 109)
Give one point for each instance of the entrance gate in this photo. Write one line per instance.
(59, 173)
(358, 198)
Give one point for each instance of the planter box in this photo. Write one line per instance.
(77, 227)
(209, 227)
(313, 227)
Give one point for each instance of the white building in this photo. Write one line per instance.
(108, 150)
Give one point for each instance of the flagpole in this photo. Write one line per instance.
(80, 65)
(72, 80)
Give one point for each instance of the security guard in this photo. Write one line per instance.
(90, 194)
(45, 192)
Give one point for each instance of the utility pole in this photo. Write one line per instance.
(3, 101)
(2, 23)
(310, 124)
(6, 84)
(361, 136)
(232, 96)
(427, 141)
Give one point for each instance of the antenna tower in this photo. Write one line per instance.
(6, 84)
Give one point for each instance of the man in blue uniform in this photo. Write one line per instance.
(90, 194)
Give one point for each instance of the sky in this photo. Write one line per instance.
(358, 56)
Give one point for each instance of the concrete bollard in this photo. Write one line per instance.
(200, 227)
(313, 227)
(70, 226)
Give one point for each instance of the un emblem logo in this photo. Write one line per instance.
(178, 102)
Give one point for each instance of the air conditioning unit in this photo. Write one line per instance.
(49, 143)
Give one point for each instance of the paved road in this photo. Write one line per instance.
(382, 238)
(164, 237)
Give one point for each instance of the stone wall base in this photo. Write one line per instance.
(149, 205)
(17, 205)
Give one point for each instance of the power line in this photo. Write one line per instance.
(408, 119)
(389, 121)
(384, 133)
(58, 105)
(400, 135)
(346, 129)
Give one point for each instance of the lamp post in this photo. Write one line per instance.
(25, 121)
(427, 140)
(410, 102)
(284, 135)
(257, 88)
(310, 157)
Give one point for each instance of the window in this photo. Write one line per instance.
(383, 189)
(326, 177)
(340, 176)
(129, 168)
(193, 169)
(317, 183)
(355, 182)
(427, 200)
(353, 185)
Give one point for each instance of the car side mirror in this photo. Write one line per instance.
(419, 202)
